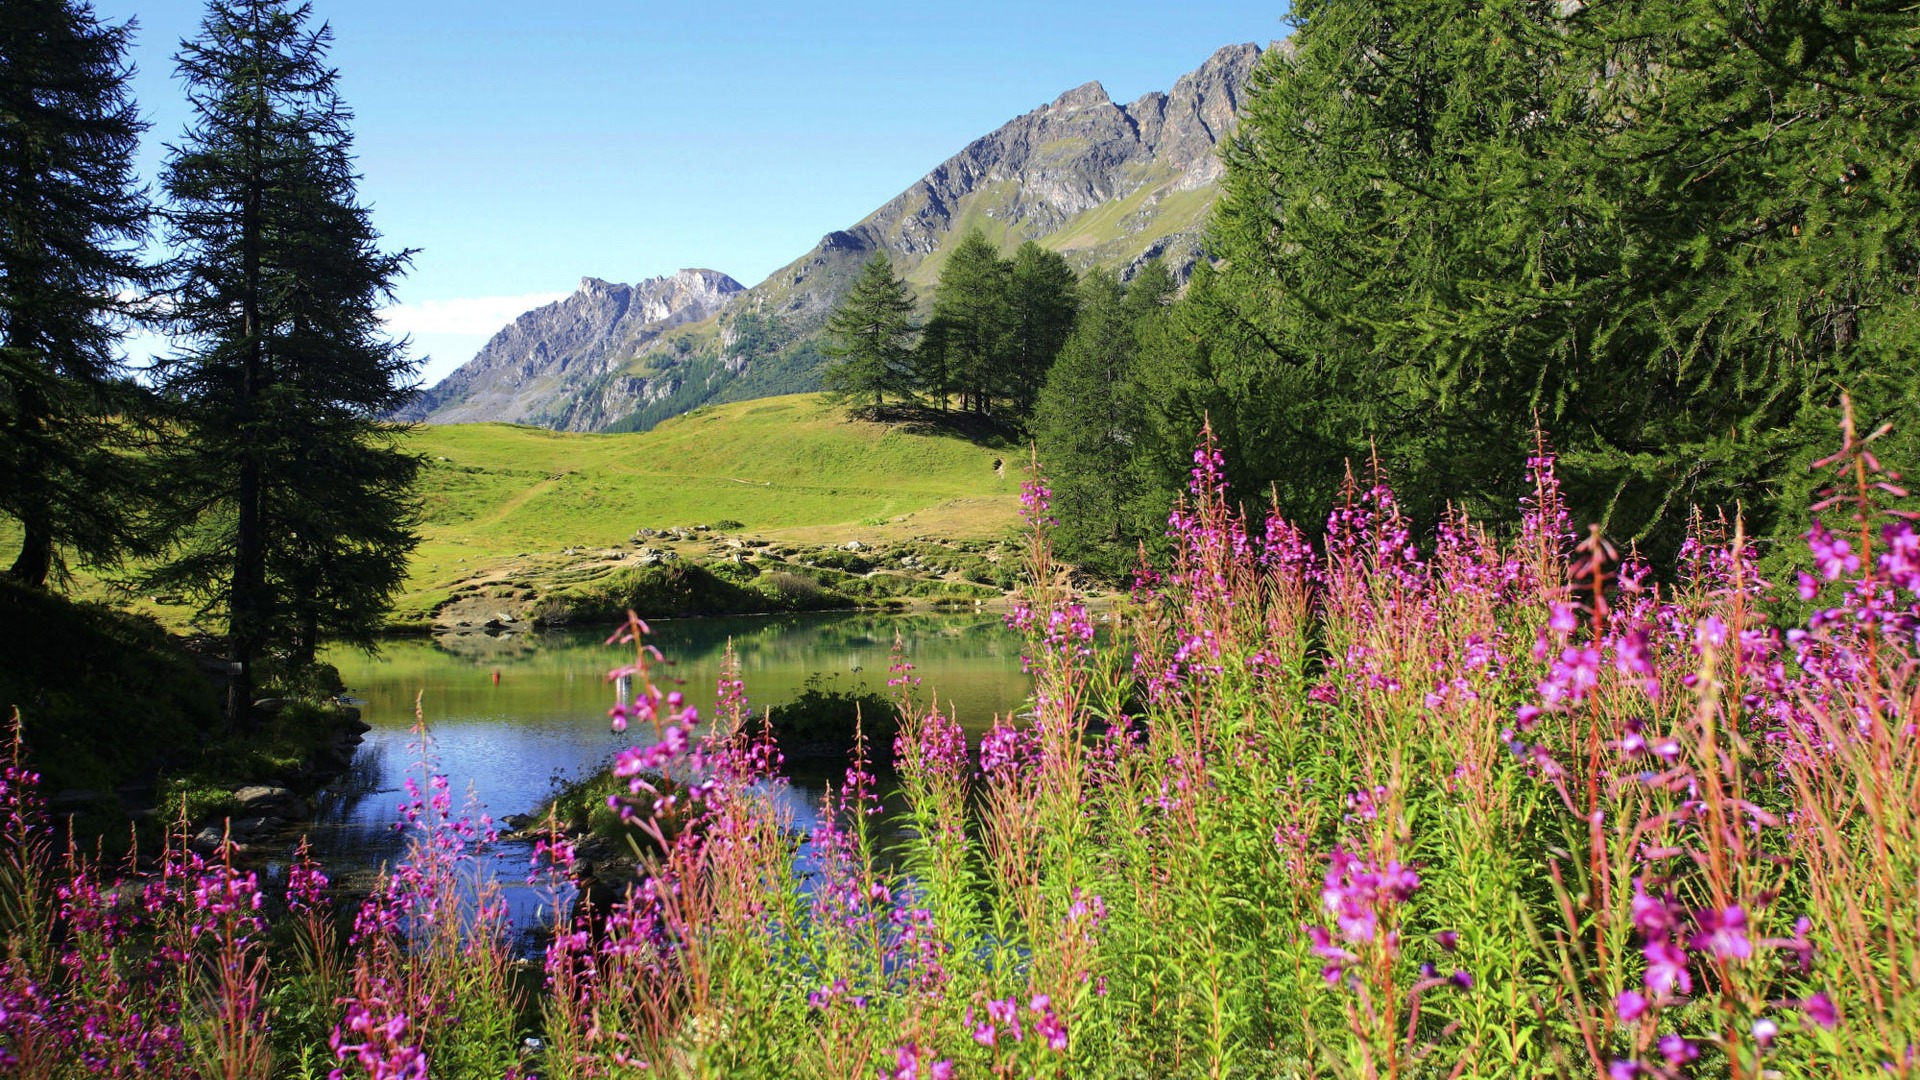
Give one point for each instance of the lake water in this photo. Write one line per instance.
(510, 716)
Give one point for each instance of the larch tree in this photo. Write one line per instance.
(965, 346)
(1041, 304)
(72, 221)
(299, 499)
(871, 337)
(1086, 429)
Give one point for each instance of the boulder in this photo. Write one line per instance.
(253, 826)
(270, 800)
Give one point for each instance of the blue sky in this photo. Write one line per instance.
(523, 145)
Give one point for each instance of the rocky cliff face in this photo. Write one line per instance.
(1103, 183)
(555, 365)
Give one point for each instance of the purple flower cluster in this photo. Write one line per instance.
(1359, 896)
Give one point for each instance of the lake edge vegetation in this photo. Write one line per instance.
(1511, 807)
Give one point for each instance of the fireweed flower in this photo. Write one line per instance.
(1357, 894)
(1036, 499)
(1003, 751)
(1666, 969)
(1047, 1025)
(1005, 1012)
(1677, 1050)
(1723, 933)
(1652, 916)
(1832, 555)
(912, 1063)
(1819, 1009)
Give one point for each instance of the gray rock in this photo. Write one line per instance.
(253, 826)
(604, 353)
(270, 800)
(552, 353)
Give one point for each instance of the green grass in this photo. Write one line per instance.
(790, 468)
(1118, 231)
(500, 500)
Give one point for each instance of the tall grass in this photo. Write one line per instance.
(1494, 807)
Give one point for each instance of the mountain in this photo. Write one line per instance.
(558, 366)
(1102, 183)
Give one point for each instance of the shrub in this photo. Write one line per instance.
(821, 722)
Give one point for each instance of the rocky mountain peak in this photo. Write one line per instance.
(1103, 183)
(1036, 174)
(521, 374)
(1081, 97)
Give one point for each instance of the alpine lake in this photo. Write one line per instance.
(508, 718)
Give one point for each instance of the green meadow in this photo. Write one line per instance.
(794, 470)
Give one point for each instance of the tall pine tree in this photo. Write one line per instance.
(871, 335)
(1087, 427)
(1041, 304)
(964, 350)
(1670, 230)
(71, 224)
(301, 501)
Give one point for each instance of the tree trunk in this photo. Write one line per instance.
(35, 561)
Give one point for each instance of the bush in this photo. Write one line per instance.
(797, 591)
(821, 722)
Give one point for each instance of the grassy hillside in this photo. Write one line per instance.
(790, 465)
(503, 501)
(789, 469)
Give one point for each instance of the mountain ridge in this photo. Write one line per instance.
(1103, 183)
(593, 331)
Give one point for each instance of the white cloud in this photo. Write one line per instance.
(447, 333)
(467, 315)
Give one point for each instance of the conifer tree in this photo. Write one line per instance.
(1087, 428)
(1041, 303)
(1670, 230)
(71, 224)
(871, 335)
(301, 501)
(965, 347)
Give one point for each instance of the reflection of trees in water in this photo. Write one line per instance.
(338, 801)
(806, 641)
(800, 636)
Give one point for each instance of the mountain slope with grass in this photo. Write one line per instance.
(793, 503)
(1103, 183)
(745, 484)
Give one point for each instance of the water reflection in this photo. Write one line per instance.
(509, 718)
